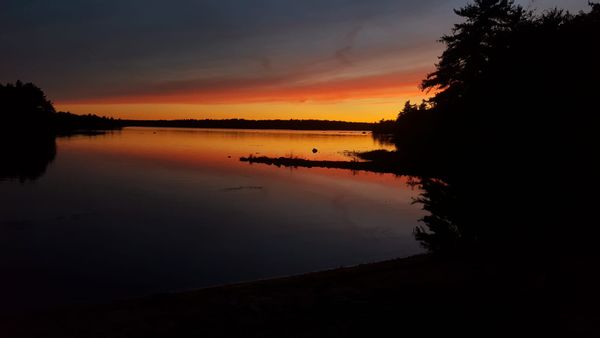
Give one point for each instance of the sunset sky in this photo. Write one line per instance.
(353, 60)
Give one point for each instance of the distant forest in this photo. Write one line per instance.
(24, 105)
(254, 124)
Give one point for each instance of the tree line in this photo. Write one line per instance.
(24, 108)
(292, 124)
(24, 105)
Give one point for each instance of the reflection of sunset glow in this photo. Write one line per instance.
(199, 149)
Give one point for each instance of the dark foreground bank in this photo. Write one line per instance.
(421, 295)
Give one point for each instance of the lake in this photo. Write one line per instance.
(152, 210)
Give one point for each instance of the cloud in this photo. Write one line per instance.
(343, 54)
(264, 62)
(86, 42)
(80, 50)
(292, 88)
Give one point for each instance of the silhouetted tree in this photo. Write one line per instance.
(29, 125)
(511, 124)
(473, 44)
(24, 108)
(24, 104)
(24, 98)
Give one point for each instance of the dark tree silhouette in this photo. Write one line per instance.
(474, 43)
(29, 127)
(255, 124)
(511, 124)
(24, 104)
(24, 98)
(24, 108)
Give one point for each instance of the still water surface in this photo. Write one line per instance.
(151, 210)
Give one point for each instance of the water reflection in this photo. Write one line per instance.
(385, 141)
(507, 216)
(151, 210)
(219, 144)
(26, 157)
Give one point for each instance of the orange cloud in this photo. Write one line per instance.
(275, 89)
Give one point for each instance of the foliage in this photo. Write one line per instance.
(25, 109)
(29, 127)
(511, 123)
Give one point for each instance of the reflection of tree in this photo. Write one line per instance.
(465, 215)
(503, 214)
(440, 232)
(383, 139)
(26, 157)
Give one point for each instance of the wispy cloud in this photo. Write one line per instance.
(214, 50)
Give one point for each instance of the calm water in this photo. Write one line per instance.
(149, 210)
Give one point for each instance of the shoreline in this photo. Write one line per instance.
(261, 307)
(422, 294)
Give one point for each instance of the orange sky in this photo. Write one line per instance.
(350, 60)
(350, 71)
(368, 98)
(355, 98)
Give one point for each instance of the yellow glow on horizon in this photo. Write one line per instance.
(356, 110)
(360, 98)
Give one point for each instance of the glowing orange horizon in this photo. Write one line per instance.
(362, 98)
